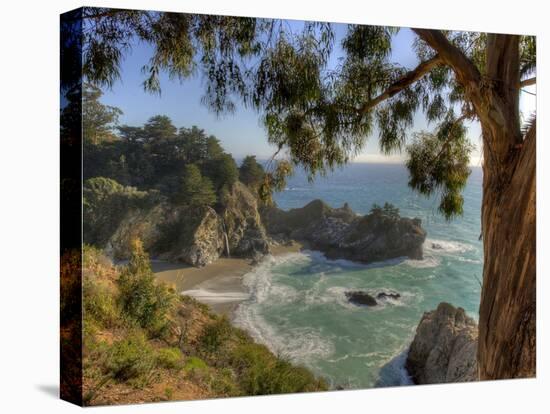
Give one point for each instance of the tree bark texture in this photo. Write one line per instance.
(507, 316)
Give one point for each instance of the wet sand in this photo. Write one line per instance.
(219, 284)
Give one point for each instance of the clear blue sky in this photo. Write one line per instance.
(241, 133)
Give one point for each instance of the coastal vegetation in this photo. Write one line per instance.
(144, 342)
(173, 193)
(165, 176)
(321, 116)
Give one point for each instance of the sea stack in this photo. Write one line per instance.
(340, 233)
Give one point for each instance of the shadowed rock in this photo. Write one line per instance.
(195, 236)
(387, 295)
(341, 233)
(360, 298)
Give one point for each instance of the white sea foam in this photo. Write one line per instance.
(434, 248)
(427, 262)
(446, 246)
(259, 281)
(466, 260)
(299, 344)
(210, 296)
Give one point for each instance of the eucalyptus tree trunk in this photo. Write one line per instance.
(507, 314)
(507, 318)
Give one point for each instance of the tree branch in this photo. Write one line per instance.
(408, 79)
(466, 72)
(528, 82)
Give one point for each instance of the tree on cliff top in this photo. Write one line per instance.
(195, 190)
(322, 116)
(251, 172)
(98, 120)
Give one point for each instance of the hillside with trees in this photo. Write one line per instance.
(171, 187)
(323, 116)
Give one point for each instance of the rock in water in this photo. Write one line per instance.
(444, 347)
(341, 234)
(388, 295)
(358, 297)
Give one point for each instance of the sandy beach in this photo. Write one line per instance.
(219, 284)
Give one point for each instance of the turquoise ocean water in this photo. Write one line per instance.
(297, 302)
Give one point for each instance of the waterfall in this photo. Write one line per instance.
(226, 239)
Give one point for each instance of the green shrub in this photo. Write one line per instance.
(129, 358)
(214, 335)
(194, 363)
(168, 393)
(100, 306)
(259, 372)
(169, 358)
(251, 362)
(143, 299)
(285, 378)
(223, 383)
(197, 370)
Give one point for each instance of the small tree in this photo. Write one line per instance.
(98, 120)
(141, 299)
(391, 210)
(251, 172)
(222, 171)
(376, 209)
(195, 190)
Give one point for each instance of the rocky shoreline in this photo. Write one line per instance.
(340, 233)
(197, 237)
(243, 229)
(445, 345)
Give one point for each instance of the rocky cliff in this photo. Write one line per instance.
(444, 347)
(341, 233)
(194, 236)
(242, 224)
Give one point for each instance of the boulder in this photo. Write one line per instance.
(387, 295)
(444, 347)
(340, 233)
(358, 297)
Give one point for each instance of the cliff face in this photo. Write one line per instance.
(340, 233)
(197, 237)
(242, 224)
(444, 347)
